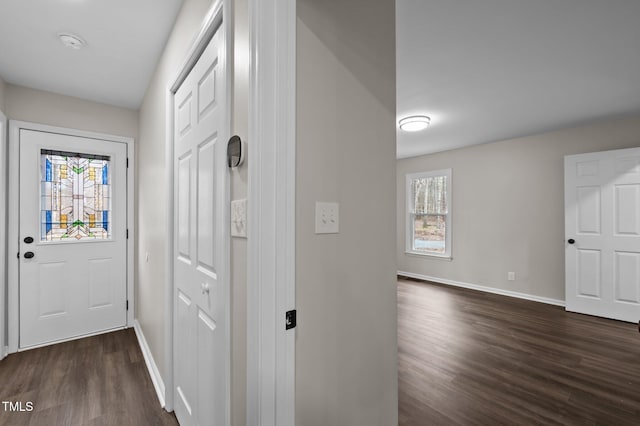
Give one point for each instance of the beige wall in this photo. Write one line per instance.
(25, 104)
(2, 88)
(152, 214)
(508, 207)
(152, 211)
(346, 372)
(3, 286)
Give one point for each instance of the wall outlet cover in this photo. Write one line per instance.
(239, 218)
(327, 218)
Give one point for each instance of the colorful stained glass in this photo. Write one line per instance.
(75, 196)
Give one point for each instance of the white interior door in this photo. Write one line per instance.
(201, 243)
(602, 227)
(72, 229)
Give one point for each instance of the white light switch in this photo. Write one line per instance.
(327, 218)
(239, 218)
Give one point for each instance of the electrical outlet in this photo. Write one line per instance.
(327, 218)
(511, 276)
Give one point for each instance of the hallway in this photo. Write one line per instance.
(99, 380)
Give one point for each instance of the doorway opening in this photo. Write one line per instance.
(71, 194)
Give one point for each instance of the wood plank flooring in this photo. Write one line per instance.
(467, 357)
(99, 380)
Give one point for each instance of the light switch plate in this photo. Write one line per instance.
(327, 218)
(239, 218)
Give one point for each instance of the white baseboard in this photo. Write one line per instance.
(156, 378)
(486, 289)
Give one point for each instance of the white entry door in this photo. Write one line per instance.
(72, 230)
(201, 243)
(602, 231)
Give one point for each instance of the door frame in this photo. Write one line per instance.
(4, 132)
(13, 263)
(218, 17)
(272, 208)
(571, 282)
(271, 191)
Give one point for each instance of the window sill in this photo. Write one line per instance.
(429, 256)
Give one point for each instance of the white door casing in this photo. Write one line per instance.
(271, 213)
(201, 242)
(73, 286)
(3, 229)
(602, 234)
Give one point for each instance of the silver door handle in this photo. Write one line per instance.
(205, 288)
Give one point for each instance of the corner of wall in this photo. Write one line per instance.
(2, 96)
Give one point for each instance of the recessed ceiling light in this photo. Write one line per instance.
(414, 123)
(72, 41)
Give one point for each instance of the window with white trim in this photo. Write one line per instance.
(429, 213)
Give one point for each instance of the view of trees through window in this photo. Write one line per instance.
(429, 214)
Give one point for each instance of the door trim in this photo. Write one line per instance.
(13, 222)
(4, 131)
(217, 17)
(271, 219)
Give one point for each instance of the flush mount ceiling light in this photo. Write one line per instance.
(71, 41)
(414, 123)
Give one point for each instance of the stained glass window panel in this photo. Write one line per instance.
(75, 196)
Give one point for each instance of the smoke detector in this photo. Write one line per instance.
(71, 41)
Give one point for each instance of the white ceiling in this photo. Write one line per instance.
(124, 41)
(497, 69)
(482, 70)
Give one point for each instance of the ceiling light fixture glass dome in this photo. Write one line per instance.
(414, 123)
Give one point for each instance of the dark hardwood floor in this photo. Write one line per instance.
(467, 357)
(99, 380)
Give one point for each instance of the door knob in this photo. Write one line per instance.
(571, 241)
(28, 240)
(205, 288)
(28, 255)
